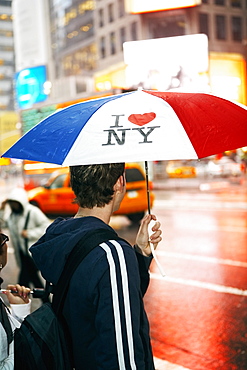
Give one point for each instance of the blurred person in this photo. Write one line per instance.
(26, 224)
(104, 306)
(10, 318)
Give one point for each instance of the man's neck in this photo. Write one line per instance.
(103, 214)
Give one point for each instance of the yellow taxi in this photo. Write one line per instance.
(56, 197)
(181, 169)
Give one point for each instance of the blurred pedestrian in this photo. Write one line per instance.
(26, 224)
(10, 318)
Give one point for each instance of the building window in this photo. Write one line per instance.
(83, 59)
(110, 13)
(204, 1)
(236, 3)
(121, 8)
(122, 36)
(101, 18)
(133, 31)
(6, 33)
(220, 27)
(203, 23)
(102, 48)
(113, 43)
(236, 28)
(219, 2)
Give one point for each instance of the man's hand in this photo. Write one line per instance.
(143, 239)
(24, 234)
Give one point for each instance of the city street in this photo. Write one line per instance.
(198, 313)
(161, 86)
(198, 310)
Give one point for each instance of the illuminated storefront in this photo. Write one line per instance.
(9, 130)
(228, 76)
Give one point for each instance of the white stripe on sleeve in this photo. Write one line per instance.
(126, 302)
(116, 309)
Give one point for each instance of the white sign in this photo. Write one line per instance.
(30, 33)
(172, 63)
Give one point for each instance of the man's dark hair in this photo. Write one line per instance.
(93, 184)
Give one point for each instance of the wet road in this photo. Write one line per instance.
(198, 311)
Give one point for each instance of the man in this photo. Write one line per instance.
(103, 308)
(26, 224)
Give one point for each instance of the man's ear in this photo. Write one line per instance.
(119, 185)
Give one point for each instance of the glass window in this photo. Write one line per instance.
(113, 43)
(122, 36)
(110, 13)
(102, 48)
(220, 27)
(134, 31)
(5, 17)
(121, 8)
(219, 2)
(58, 182)
(236, 28)
(101, 17)
(203, 23)
(83, 59)
(236, 3)
(133, 175)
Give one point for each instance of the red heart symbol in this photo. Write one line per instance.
(141, 119)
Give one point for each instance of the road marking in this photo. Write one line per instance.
(230, 229)
(165, 365)
(220, 261)
(205, 227)
(201, 284)
(199, 204)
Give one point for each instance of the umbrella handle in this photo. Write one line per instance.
(148, 190)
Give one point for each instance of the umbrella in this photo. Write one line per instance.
(137, 126)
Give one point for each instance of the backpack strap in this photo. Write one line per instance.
(89, 241)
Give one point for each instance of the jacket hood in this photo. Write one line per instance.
(19, 195)
(52, 249)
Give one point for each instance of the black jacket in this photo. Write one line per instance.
(104, 306)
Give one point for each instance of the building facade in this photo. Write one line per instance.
(88, 37)
(7, 64)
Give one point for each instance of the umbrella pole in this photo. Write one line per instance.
(148, 190)
(149, 212)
